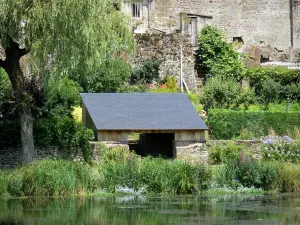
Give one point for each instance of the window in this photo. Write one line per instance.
(163, 8)
(137, 10)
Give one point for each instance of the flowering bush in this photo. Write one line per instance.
(281, 148)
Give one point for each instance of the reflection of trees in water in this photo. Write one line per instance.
(10, 222)
(151, 210)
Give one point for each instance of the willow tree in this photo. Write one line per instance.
(60, 34)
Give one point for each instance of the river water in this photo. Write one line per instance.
(142, 210)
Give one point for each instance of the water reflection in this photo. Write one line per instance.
(134, 210)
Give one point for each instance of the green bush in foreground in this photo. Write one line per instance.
(224, 153)
(177, 177)
(227, 124)
(50, 178)
(121, 168)
(3, 183)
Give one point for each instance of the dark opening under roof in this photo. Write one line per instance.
(142, 111)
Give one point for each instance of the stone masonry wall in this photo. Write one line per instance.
(296, 17)
(166, 47)
(12, 157)
(198, 152)
(256, 22)
(189, 152)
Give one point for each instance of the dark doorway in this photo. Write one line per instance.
(155, 144)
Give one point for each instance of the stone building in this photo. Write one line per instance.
(168, 124)
(268, 30)
(272, 22)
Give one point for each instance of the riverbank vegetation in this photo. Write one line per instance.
(121, 170)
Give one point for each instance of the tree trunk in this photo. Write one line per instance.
(11, 64)
(27, 137)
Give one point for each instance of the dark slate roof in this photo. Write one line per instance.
(142, 111)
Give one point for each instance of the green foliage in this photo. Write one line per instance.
(226, 153)
(168, 85)
(7, 101)
(225, 93)
(77, 35)
(146, 73)
(280, 149)
(69, 135)
(282, 75)
(163, 176)
(289, 177)
(110, 76)
(275, 107)
(65, 133)
(120, 169)
(195, 99)
(62, 94)
(274, 83)
(251, 173)
(136, 88)
(3, 183)
(270, 91)
(51, 177)
(227, 124)
(247, 173)
(218, 56)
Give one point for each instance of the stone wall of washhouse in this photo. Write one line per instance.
(166, 48)
(190, 152)
(260, 23)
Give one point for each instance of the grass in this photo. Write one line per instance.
(122, 170)
(289, 176)
(51, 178)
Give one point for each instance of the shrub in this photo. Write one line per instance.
(7, 100)
(165, 176)
(227, 124)
(274, 83)
(62, 94)
(15, 184)
(109, 76)
(3, 183)
(270, 91)
(77, 114)
(269, 176)
(66, 133)
(280, 148)
(51, 177)
(195, 99)
(282, 75)
(120, 169)
(289, 175)
(225, 153)
(168, 86)
(147, 73)
(218, 56)
(225, 93)
(248, 174)
(252, 173)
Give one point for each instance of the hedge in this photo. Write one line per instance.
(227, 124)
